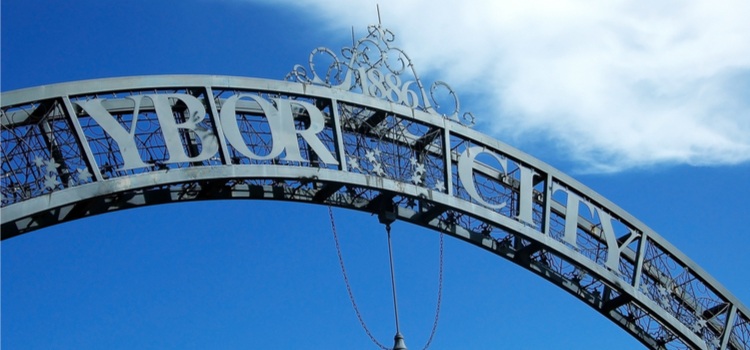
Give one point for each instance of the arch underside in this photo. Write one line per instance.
(61, 162)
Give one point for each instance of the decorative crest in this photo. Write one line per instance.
(374, 67)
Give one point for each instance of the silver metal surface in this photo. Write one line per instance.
(78, 149)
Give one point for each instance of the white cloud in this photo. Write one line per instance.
(614, 85)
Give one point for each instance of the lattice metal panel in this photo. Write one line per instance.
(41, 154)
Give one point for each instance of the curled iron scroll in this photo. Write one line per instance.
(373, 67)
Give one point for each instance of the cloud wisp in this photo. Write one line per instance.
(610, 85)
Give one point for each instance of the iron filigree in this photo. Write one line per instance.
(376, 68)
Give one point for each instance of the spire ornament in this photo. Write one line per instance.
(376, 68)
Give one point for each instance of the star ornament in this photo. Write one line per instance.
(84, 175)
(50, 182)
(662, 290)
(51, 165)
(416, 178)
(440, 186)
(419, 168)
(39, 162)
(699, 325)
(354, 164)
(370, 155)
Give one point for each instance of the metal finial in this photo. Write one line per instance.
(399, 343)
(378, 7)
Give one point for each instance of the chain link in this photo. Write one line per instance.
(348, 286)
(439, 296)
(354, 303)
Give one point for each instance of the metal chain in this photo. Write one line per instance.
(439, 296)
(348, 286)
(354, 303)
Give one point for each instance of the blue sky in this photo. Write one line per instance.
(249, 274)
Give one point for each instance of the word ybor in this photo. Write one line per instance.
(280, 122)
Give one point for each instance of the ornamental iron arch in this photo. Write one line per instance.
(78, 149)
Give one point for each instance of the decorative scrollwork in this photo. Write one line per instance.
(373, 67)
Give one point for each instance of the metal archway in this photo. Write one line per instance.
(78, 149)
